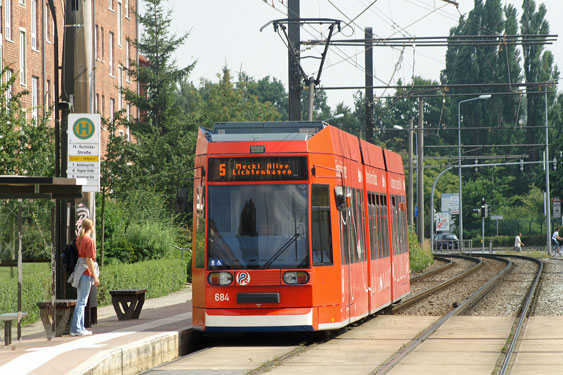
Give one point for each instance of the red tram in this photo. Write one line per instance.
(298, 226)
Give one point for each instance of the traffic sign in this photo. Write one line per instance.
(442, 221)
(450, 203)
(84, 131)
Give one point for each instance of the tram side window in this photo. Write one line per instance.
(320, 225)
(394, 226)
(344, 222)
(384, 225)
(200, 230)
(361, 224)
(353, 228)
(403, 223)
(373, 227)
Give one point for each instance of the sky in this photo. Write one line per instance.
(227, 33)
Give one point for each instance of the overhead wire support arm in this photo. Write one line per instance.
(281, 24)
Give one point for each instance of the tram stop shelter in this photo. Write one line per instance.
(50, 188)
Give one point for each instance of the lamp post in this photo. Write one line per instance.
(480, 97)
(410, 199)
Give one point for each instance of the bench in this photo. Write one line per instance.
(63, 310)
(128, 302)
(7, 318)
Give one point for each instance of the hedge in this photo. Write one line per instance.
(159, 277)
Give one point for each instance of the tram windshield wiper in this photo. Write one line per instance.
(281, 250)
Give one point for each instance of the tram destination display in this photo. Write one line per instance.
(271, 168)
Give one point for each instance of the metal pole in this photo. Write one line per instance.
(294, 74)
(410, 186)
(482, 234)
(20, 270)
(548, 198)
(311, 99)
(432, 207)
(369, 82)
(460, 208)
(420, 174)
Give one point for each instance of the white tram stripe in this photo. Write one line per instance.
(259, 320)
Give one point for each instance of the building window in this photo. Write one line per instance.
(111, 109)
(9, 74)
(96, 43)
(8, 18)
(128, 113)
(34, 24)
(120, 87)
(127, 57)
(110, 52)
(34, 98)
(126, 8)
(47, 23)
(119, 23)
(47, 96)
(102, 54)
(110, 4)
(22, 58)
(103, 106)
(22, 2)
(97, 104)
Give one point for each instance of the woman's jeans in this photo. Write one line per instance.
(83, 291)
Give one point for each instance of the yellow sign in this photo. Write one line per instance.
(84, 158)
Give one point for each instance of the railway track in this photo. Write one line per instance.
(287, 359)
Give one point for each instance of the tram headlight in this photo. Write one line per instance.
(296, 277)
(220, 278)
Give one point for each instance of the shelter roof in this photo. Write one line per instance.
(29, 187)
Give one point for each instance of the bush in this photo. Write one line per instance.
(159, 277)
(36, 286)
(139, 228)
(419, 257)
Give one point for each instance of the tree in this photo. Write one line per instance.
(165, 138)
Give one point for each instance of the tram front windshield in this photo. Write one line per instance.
(257, 227)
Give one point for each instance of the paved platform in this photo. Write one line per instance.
(116, 347)
(464, 345)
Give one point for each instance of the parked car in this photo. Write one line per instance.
(446, 241)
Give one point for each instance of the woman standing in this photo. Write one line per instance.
(85, 273)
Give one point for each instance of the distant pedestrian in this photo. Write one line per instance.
(85, 274)
(518, 242)
(556, 239)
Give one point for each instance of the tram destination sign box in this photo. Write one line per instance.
(270, 168)
(84, 149)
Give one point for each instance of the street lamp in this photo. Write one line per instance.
(480, 97)
(335, 117)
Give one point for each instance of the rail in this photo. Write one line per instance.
(465, 305)
(524, 312)
(434, 271)
(417, 297)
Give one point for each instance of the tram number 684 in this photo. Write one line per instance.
(220, 297)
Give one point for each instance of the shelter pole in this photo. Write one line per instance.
(20, 266)
(53, 267)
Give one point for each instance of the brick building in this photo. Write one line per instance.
(27, 49)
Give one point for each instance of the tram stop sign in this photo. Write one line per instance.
(84, 149)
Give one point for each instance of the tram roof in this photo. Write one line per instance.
(265, 131)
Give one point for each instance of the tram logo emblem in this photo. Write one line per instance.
(243, 278)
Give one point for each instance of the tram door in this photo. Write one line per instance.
(353, 254)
